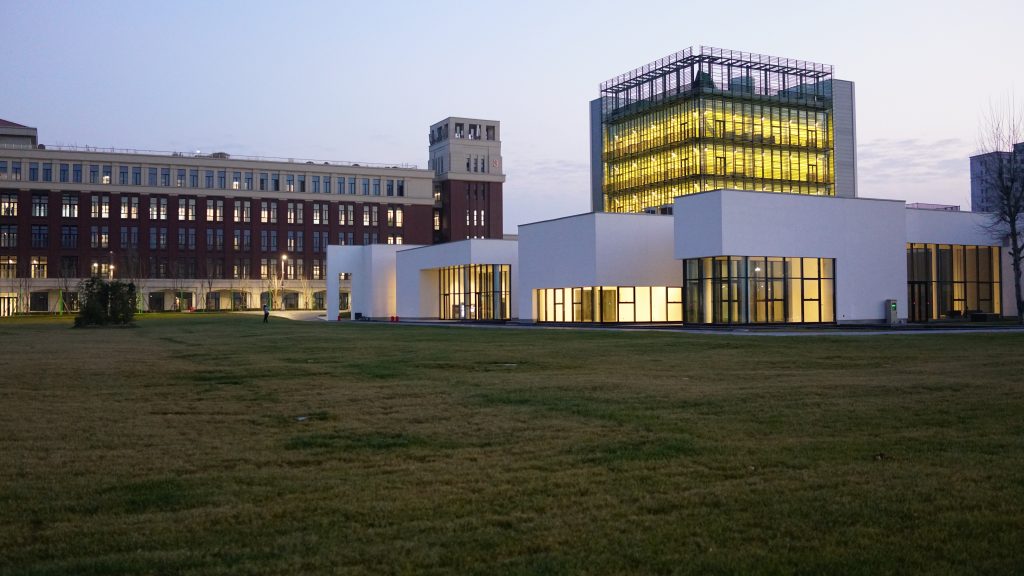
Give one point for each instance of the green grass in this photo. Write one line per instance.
(214, 444)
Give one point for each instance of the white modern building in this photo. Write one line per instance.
(723, 257)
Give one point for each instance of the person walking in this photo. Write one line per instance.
(266, 313)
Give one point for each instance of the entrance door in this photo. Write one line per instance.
(919, 304)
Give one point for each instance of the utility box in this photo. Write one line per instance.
(890, 311)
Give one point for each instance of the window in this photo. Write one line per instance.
(327, 185)
(222, 179)
(320, 240)
(151, 173)
(47, 173)
(186, 209)
(180, 180)
(107, 168)
(40, 205)
(351, 186)
(8, 236)
(320, 213)
(390, 187)
(8, 266)
(38, 267)
(242, 240)
(318, 273)
(275, 182)
(315, 182)
(366, 215)
(129, 236)
(69, 236)
(129, 207)
(100, 206)
(268, 268)
(40, 236)
(289, 183)
(214, 210)
(263, 181)
(157, 208)
(365, 186)
(193, 178)
(165, 176)
(15, 170)
(208, 176)
(243, 210)
(76, 173)
(214, 238)
(236, 180)
(490, 132)
(295, 210)
(69, 206)
(186, 238)
(295, 241)
(99, 237)
(33, 171)
(366, 238)
(302, 182)
(345, 213)
(474, 292)
(8, 204)
(158, 238)
(122, 175)
(268, 240)
(268, 211)
(376, 186)
(240, 269)
(248, 180)
(401, 187)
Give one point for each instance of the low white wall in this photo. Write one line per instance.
(595, 249)
(867, 238)
(373, 278)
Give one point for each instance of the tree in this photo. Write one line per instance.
(1001, 174)
(104, 302)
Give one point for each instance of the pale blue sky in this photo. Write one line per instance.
(362, 81)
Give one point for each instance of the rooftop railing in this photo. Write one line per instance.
(202, 155)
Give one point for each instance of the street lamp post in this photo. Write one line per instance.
(284, 258)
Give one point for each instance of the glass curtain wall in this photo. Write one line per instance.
(475, 292)
(949, 280)
(707, 118)
(759, 290)
(610, 304)
(710, 143)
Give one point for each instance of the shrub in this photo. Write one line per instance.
(105, 302)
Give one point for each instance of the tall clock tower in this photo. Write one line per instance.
(465, 155)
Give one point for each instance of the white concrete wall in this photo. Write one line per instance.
(373, 278)
(595, 249)
(867, 238)
(417, 276)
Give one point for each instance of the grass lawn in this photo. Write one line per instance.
(214, 444)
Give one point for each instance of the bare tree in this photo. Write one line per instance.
(1001, 174)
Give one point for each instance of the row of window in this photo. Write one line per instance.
(163, 267)
(294, 212)
(196, 178)
(241, 240)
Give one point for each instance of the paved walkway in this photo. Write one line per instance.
(318, 315)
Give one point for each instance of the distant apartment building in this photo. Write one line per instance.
(987, 170)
